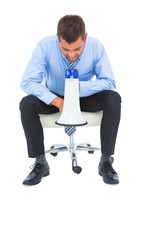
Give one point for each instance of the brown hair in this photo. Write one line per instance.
(70, 28)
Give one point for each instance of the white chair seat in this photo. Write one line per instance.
(92, 118)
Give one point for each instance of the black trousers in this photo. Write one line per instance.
(108, 101)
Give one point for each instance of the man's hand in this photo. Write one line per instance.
(58, 102)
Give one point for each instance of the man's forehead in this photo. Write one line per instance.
(72, 46)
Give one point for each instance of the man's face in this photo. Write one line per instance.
(72, 51)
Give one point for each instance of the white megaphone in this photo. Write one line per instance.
(71, 114)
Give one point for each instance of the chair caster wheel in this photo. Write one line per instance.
(76, 169)
(90, 151)
(53, 154)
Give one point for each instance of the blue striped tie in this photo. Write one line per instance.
(70, 130)
(70, 65)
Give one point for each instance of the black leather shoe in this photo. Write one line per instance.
(108, 173)
(38, 172)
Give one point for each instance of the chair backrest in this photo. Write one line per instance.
(92, 118)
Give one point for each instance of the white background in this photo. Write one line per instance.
(65, 205)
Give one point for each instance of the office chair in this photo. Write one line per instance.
(48, 121)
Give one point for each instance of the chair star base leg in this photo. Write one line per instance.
(72, 147)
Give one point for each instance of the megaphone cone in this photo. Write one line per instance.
(71, 114)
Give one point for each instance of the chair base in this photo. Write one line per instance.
(72, 147)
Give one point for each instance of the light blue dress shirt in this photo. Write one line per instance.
(44, 76)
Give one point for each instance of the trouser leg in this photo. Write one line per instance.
(110, 103)
(30, 108)
(110, 122)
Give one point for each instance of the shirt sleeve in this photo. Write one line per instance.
(34, 75)
(103, 73)
(91, 87)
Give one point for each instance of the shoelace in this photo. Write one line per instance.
(32, 166)
(35, 167)
(107, 166)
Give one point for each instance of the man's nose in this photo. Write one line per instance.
(72, 54)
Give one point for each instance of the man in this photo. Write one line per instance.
(49, 61)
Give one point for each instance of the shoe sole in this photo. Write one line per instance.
(46, 174)
(109, 182)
